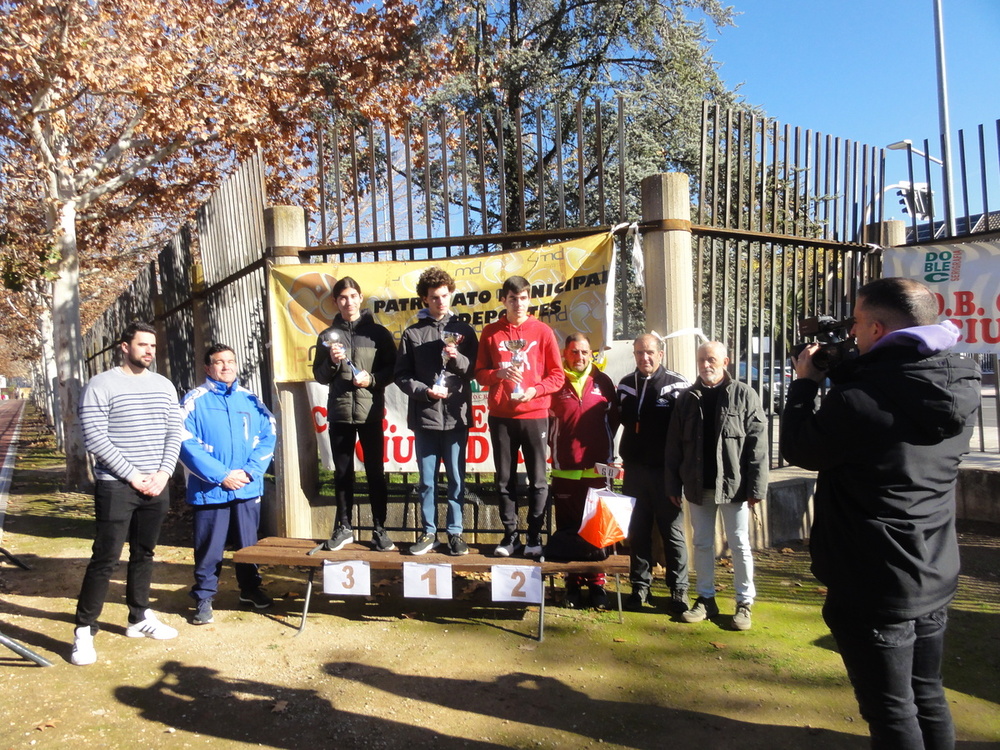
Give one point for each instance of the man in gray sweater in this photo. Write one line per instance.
(131, 424)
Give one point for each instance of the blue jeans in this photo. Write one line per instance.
(736, 522)
(895, 668)
(432, 448)
(214, 525)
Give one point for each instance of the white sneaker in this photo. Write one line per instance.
(150, 627)
(83, 647)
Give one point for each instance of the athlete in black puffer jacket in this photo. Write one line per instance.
(355, 407)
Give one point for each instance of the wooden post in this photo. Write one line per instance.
(296, 458)
(669, 266)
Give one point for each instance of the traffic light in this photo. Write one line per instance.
(915, 199)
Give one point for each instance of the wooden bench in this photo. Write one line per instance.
(308, 554)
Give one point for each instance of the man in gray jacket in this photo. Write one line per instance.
(717, 453)
(434, 367)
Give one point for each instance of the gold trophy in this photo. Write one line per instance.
(517, 357)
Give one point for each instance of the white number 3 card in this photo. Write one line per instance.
(347, 578)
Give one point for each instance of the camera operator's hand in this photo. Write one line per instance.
(804, 367)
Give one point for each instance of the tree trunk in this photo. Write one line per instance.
(68, 340)
(50, 392)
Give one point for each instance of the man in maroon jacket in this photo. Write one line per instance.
(583, 421)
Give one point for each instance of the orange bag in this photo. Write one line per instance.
(606, 517)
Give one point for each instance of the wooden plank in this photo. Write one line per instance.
(292, 553)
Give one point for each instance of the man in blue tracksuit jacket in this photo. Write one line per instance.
(228, 444)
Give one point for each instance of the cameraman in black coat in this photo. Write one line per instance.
(887, 440)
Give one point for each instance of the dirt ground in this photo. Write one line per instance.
(388, 672)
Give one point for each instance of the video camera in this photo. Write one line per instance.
(834, 337)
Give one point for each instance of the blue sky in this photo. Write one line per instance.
(865, 69)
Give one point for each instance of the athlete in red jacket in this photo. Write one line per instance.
(519, 362)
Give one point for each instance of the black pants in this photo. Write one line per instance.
(652, 505)
(895, 668)
(122, 514)
(527, 435)
(343, 438)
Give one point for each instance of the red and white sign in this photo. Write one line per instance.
(966, 280)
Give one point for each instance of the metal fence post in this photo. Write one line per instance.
(669, 266)
(296, 457)
(891, 233)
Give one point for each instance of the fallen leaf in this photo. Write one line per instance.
(280, 707)
(718, 645)
(47, 724)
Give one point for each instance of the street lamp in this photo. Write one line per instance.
(944, 119)
(908, 144)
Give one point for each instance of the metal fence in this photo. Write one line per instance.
(975, 197)
(227, 303)
(782, 225)
(480, 183)
(786, 229)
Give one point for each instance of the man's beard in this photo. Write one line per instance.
(136, 362)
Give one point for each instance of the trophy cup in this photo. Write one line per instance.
(450, 339)
(331, 337)
(516, 347)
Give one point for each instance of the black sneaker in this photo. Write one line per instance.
(534, 546)
(703, 609)
(678, 603)
(511, 543)
(203, 613)
(638, 599)
(598, 597)
(457, 545)
(381, 541)
(574, 596)
(424, 544)
(257, 598)
(342, 536)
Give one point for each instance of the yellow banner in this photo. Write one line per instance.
(569, 284)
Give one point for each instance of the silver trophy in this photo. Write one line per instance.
(450, 339)
(330, 337)
(517, 358)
